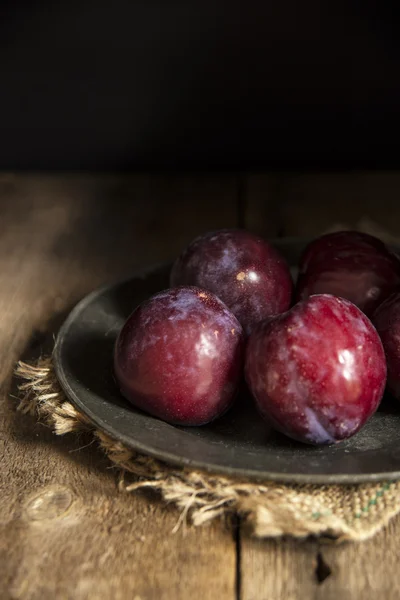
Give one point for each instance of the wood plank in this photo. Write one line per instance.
(307, 204)
(65, 530)
(261, 200)
(311, 203)
(366, 570)
(289, 569)
(278, 569)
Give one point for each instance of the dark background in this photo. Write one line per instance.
(194, 84)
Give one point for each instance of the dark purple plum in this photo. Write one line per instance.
(340, 243)
(318, 371)
(179, 356)
(366, 278)
(387, 322)
(246, 272)
(350, 264)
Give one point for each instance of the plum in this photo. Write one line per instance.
(387, 322)
(343, 243)
(318, 371)
(355, 266)
(179, 356)
(242, 269)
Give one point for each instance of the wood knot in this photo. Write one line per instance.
(51, 503)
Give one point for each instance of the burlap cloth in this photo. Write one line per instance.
(340, 512)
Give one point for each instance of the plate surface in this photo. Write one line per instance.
(239, 443)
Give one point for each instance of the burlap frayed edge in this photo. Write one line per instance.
(340, 512)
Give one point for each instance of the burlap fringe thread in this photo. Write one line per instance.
(341, 512)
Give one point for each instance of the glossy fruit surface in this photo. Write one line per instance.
(318, 371)
(350, 265)
(387, 322)
(246, 272)
(179, 356)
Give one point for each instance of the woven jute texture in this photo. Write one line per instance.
(340, 512)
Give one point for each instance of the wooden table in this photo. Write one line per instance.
(66, 532)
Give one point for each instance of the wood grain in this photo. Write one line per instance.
(262, 208)
(262, 211)
(308, 204)
(312, 203)
(277, 570)
(367, 570)
(65, 531)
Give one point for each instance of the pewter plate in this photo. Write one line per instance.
(239, 443)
